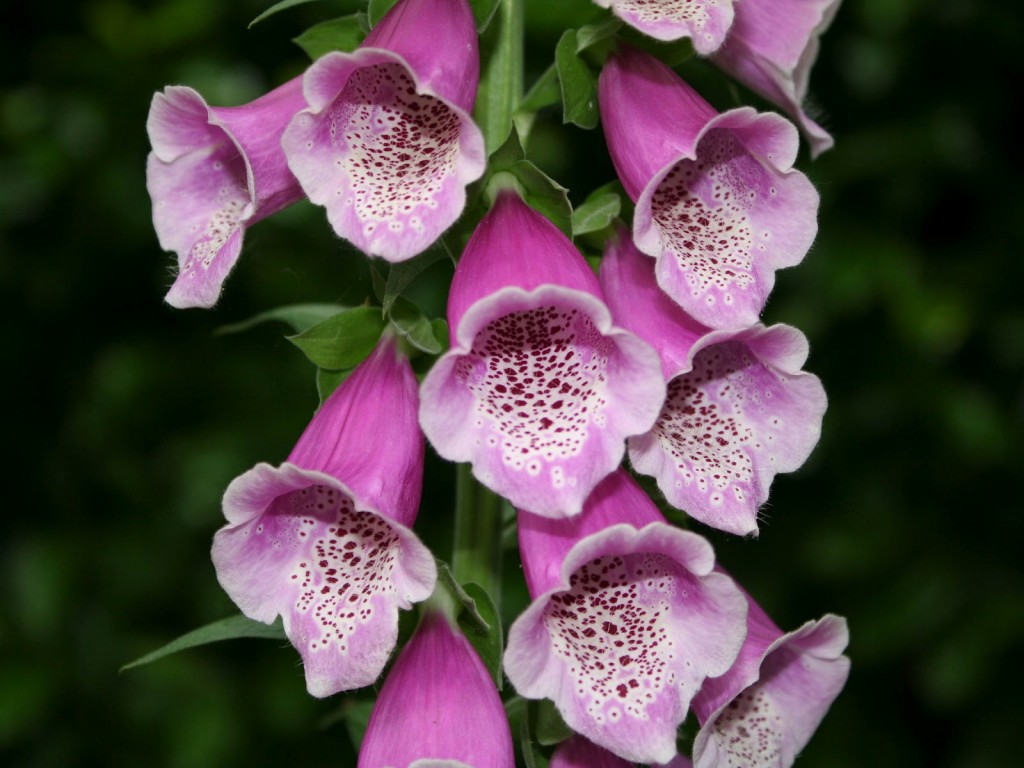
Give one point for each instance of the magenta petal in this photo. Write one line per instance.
(771, 49)
(705, 22)
(577, 752)
(719, 206)
(765, 709)
(375, 407)
(513, 245)
(438, 708)
(437, 39)
(299, 544)
(213, 171)
(621, 645)
(539, 393)
(323, 541)
(386, 156)
(744, 412)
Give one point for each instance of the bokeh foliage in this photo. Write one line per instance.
(127, 419)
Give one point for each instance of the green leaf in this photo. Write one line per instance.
(501, 85)
(402, 274)
(538, 189)
(341, 341)
(488, 643)
(446, 579)
(377, 8)
(483, 12)
(327, 381)
(413, 326)
(544, 93)
(277, 7)
(550, 728)
(596, 212)
(439, 326)
(298, 316)
(341, 34)
(592, 35)
(532, 756)
(226, 629)
(579, 86)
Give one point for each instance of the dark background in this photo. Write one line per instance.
(125, 419)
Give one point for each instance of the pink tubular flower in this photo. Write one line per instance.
(738, 411)
(705, 22)
(771, 48)
(539, 390)
(324, 539)
(718, 204)
(438, 707)
(387, 144)
(214, 171)
(765, 709)
(628, 618)
(577, 752)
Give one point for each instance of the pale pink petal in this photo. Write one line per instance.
(705, 22)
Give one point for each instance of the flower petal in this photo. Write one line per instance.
(577, 752)
(705, 22)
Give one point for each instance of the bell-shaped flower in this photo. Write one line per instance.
(628, 619)
(739, 408)
(578, 752)
(387, 144)
(705, 22)
(438, 707)
(324, 540)
(764, 710)
(718, 204)
(539, 390)
(771, 48)
(214, 171)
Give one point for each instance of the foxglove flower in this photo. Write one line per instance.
(539, 390)
(214, 171)
(705, 22)
(718, 204)
(387, 144)
(764, 710)
(738, 410)
(577, 752)
(438, 707)
(628, 618)
(324, 539)
(771, 48)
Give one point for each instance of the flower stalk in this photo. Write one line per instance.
(476, 551)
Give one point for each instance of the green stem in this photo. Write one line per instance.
(476, 555)
(502, 83)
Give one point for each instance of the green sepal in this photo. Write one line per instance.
(230, 628)
(477, 617)
(550, 728)
(577, 82)
(343, 340)
(298, 316)
(327, 381)
(277, 7)
(401, 275)
(410, 323)
(597, 212)
(483, 12)
(342, 34)
(539, 190)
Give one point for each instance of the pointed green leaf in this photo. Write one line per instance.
(501, 83)
(545, 195)
(446, 579)
(341, 34)
(549, 728)
(377, 8)
(401, 275)
(483, 12)
(578, 84)
(592, 35)
(596, 213)
(341, 341)
(277, 7)
(226, 629)
(298, 316)
(543, 93)
(413, 326)
(327, 381)
(488, 643)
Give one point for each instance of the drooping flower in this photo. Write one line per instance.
(539, 390)
(438, 708)
(705, 22)
(214, 171)
(324, 540)
(771, 48)
(578, 752)
(718, 204)
(628, 618)
(739, 408)
(387, 144)
(765, 709)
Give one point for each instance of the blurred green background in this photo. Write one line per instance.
(126, 419)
